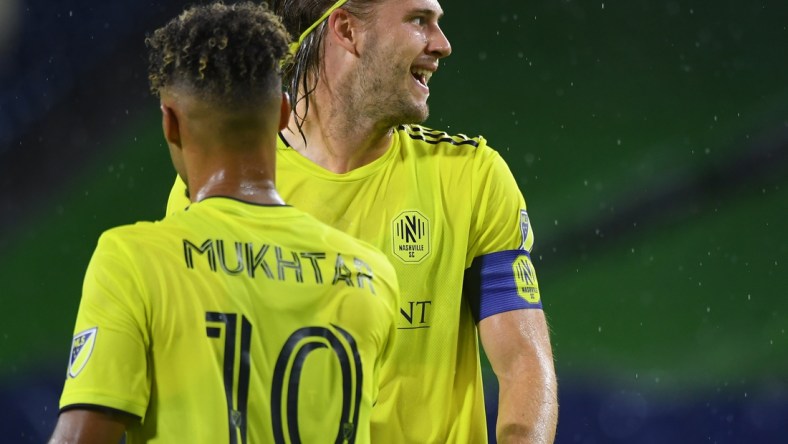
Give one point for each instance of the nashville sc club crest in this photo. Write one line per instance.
(81, 349)
(410, 234)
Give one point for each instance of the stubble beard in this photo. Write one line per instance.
(382, 95)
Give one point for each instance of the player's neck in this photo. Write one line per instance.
(338, 139)
(246, 177)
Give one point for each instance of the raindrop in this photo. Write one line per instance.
(708, 309)
(599, 329)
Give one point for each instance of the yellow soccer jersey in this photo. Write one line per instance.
(234, 323)
(447, 212)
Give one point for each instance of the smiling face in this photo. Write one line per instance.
(402, 46)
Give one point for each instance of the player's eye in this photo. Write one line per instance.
(419, 20)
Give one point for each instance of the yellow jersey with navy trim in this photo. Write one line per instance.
(448, 213)
(234, 323)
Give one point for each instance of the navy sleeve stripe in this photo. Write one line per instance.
(102, 409)
(500, 282)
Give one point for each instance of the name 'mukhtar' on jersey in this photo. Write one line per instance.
(274, 262)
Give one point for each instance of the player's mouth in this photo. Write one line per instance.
(422, 76)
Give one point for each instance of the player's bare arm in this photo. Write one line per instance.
(82, 426)
(517, 344)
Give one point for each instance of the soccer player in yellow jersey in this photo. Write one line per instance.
(241, 320)
(444, 208)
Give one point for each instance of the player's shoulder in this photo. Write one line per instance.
(420, 135)
(347, 244)
(147, 234)
(454, 152)
(359, 249)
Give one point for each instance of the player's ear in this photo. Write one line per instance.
(344, 28)
(170, 125)
(284, 116)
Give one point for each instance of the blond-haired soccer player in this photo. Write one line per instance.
(444, 208)
(241, 320)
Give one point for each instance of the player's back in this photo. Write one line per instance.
(261, 324)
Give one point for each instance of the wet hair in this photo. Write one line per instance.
(301, 74)
(229, 55)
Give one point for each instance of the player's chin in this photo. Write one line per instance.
(419, 113)
(412, 115)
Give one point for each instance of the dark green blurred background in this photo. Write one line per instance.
(650, 139)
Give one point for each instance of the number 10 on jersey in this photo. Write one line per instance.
(285, 380)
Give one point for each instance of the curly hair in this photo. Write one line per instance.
(300, 76)
(225, 54)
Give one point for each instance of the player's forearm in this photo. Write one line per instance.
(517, 344)
(79, 426)
(528, 409)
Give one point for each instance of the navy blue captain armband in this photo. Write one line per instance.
(499, 282)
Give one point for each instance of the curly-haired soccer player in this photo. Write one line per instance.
(241, 320)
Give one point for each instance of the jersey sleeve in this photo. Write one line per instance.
(500, 275)
(108, 365)
(179, 197)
